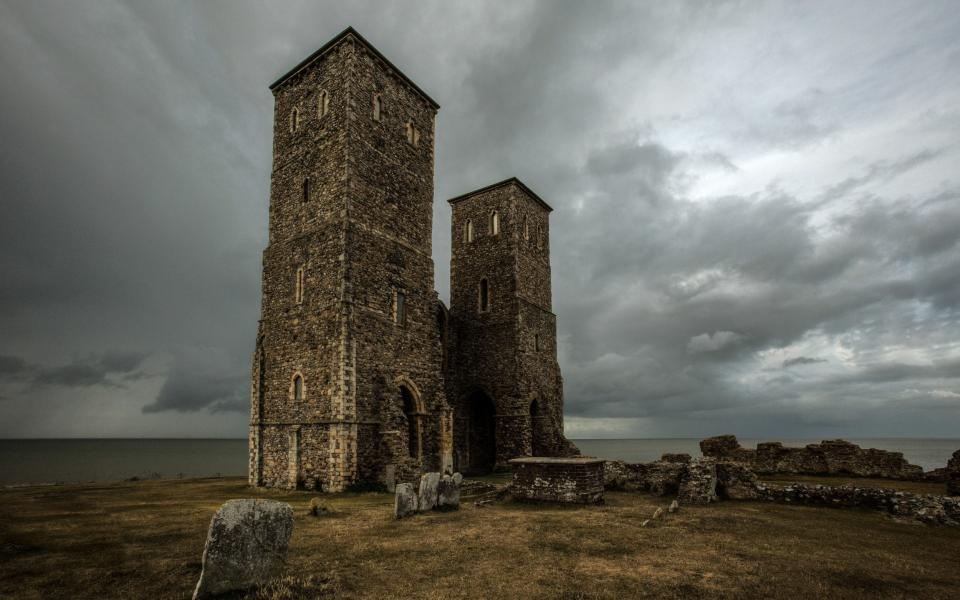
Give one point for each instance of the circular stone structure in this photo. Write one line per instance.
(575, 480)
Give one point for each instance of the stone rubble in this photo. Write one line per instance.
(246, 546)
(699, 484)
(702, 481)
(953, 474)
(829, 457)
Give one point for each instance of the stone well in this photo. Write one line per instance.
(574, 480)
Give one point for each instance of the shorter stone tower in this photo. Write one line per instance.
(502, 375)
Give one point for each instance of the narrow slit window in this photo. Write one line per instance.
(298, 387)
(484, 296)
(298, 293)
(494, 223)
(377, 107)
(306, 190)
(400, 308)
(323, 103)
(536, 342)
(294, 120)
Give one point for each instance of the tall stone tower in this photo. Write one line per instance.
(502, 374)
(347, 378)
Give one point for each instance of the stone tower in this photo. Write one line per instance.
(502, 373)
(347, 373)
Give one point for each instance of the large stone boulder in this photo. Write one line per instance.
(404, 500)
(246, 546)
(448, 493)
(427, 498)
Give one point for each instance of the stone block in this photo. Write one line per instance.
(246, 546)
(404, 500)
(427, 497)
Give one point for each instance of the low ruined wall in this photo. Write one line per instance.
(700, 481)
(830, 457)
(661, 477)
(566, 480)
(941, 510)
(953, 474)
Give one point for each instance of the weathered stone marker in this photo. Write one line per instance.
(246, 546)
(448, 493)
(427, 498)
(404, 500)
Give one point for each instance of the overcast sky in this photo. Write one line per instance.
(757, 205)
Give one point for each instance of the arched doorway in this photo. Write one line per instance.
(481, 434)
(411, 413)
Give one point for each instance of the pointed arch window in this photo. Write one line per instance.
(323, 103)
(484, 295)
(294, 120)
(377, 107)
(299, 286)
(495, 223)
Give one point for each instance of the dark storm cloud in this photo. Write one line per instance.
(13, 366)
(202, 379)
(735, 190)
(801, 360)
(80, 373)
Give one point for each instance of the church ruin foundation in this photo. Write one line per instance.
(574, 480)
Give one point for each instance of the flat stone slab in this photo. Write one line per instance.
(246, 546)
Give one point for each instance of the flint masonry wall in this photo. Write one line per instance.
(350, 205)
(830, 457)
(505, 351)
(568, 480)
(349, 308)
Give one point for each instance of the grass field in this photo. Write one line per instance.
(145, 539)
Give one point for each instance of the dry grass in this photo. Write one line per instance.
(144, 540)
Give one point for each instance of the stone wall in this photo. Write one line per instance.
(355, 355)
(566, 480)
(830, 457)
(701, 481)
(351, 207)
(940, 510)
(953, 474)
(504, 352)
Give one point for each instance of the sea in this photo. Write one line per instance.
(33, 462)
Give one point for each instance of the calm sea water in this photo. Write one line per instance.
(52, 461)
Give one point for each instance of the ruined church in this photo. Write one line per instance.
(361, 375)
